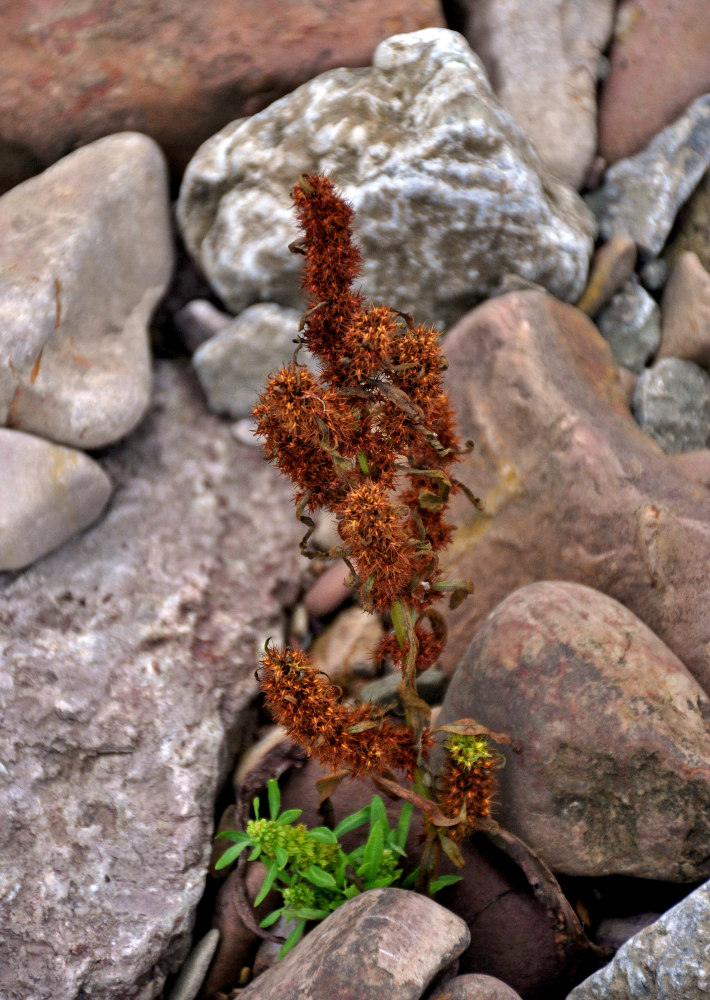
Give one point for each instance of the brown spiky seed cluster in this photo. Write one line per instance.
(308, 705)
(372, 437)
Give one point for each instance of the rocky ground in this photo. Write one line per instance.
(530, 177)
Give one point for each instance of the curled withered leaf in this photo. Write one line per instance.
(298, 246)
(398, 397)
(476, 501)
(305, 184)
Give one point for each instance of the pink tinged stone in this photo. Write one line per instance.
(573, 488)
(613, 774)
(659, 64)
(685, 311)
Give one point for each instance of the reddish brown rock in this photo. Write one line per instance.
(659, 64)
(573, 488)
(613, 773)
(176, 70)
(686, 312)
(474, 987)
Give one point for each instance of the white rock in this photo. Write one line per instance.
(449, 192)
(47, 494)
(85, 254)
(232, 366)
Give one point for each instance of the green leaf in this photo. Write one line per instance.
(442, 881)
(352, 822)
(410, 879)
(378, 813)
(269, 880)
(231, 854)
(405, 818)
(255, 853)
(255, 806)
(293, 938)
(323, 835)
(288, 817)
(274, 797)
(307, 913)
(281, 857)
(363, 463)
(236, 835)
(320, 878)
(372, 855)
(272, 917)
(397, 616)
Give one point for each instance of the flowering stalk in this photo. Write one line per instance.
(373, 439)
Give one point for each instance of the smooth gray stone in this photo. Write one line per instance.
(47, 494)
(194, 969)
(449, 193)
(631, 326)
(666, 961)
(641, 195)
(672, 404)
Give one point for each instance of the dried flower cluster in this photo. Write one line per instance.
(371, 438)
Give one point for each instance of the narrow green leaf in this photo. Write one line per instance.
(442, 881)
(378, 813)
(230, 855)
(397, 616)
(255, 806)
(363, 463)
(409, 880)
(269, 880)
(323, 835)
(274, 797)
(320, 878)
(372, 855)
(352, 822)
(405, 818)
(236, 835)
(293, 938)
(288, 817)
(255, 853)
(281, 857)
(307, 913)
(272, 917)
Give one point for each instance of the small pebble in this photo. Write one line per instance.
(686, 312)
(672, 404)
(329, 591)
(198, 321)
(192, 974)
(631, 325)
(612, 266)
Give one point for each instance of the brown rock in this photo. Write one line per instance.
(659, 63)
(573, 488)
(474, 987)
(692, 231)
(329, 591)
(612, 266)
(613, 776)
(694, 464)
(551, 92)
(685, 311)
(176, 70)
(385, 942)
(345, 649)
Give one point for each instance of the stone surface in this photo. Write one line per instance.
(695, 465)
(47, 494)
(474, 987)
(86, 253)
(176, 70)
(384, 942)
(199, 320)
(449, 193)
(641, 195)
(672, 404)
(631, 326)
(659, 63)
(542, 58)
(666, 961)
(233, 365)
(686, 312)
(613, 777)
(128, 674)
(692, 231)
(612, 266)
(192, 974)
(344, 650)
(574, 490)
(328, 591)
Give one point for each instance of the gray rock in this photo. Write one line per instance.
(666, 961)
(86, 252)
(613, 773)
(449, 192)
(233, 365)
(631, 326)
(127, 681)
(199, 320)
(672, 404)
(641, 195)
(431, 684)
(382, 943)
(551, 90)
(47, 494)
(692, 233)
(654, 273)
(192, 974)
